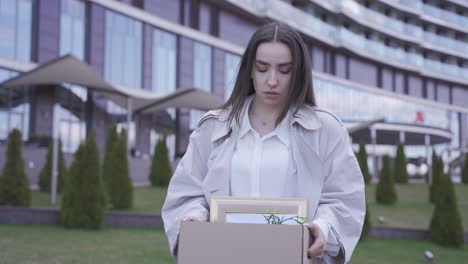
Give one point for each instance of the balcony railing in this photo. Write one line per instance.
(445, 42)
(355, 10)
(307, 23)
(415, 4)
(299, 19)
(374, 18)
(436, 12)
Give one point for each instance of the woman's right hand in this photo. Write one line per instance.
(192, 219)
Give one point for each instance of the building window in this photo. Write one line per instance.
(69, 117)
(15, 29)
(14, 108)
(72, 28)
(394, 110)
(123, 50)
(170, 143)
(201, 75)
(6, 74)
(70, 114)
(164, 82)
(72, 131)
(164, 62)
(118, 115)
(231, 68)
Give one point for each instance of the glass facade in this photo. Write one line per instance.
(347, 103)
(170, 143)
(118, 116)
(123, 50)
(331, 95)
(70, 113)
(15, 29)
(231, 67)
(14, 108)
(69, 117)
(164, 81)
(6, 74)
(202, 69)
(164, 62)
(72, 28)
(123, 65)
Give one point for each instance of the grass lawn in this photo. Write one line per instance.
(375, 251)
(413, 209)
(146, 199)
(50, 244)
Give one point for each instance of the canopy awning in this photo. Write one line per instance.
(354, 128)
(389, 133)
(69, 69)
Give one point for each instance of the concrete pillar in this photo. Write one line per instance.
(129, 120)
(402, 137)
(374, 150)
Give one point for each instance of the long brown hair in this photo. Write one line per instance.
(300, 91)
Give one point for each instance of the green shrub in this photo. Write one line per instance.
(84, 200)
(161, 170)
(120, 188)
(386, 193)
(401, 174)
(108, 164)
(437, 171)
(362, 159)
(45, 176)
(446, 223)
(14, 184)
(465, 170)
(367, 224)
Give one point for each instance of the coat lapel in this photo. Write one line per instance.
(217, 179)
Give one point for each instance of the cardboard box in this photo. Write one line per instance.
(229, 243)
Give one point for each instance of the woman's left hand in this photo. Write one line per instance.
(317, 241)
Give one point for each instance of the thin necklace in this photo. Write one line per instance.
(263, 122)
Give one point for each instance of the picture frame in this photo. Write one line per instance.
(228, 209)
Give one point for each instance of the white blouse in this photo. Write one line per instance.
(259, 164)
(259, 167)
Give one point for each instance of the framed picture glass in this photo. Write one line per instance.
(258, 210)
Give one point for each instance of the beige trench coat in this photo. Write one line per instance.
(323, 169)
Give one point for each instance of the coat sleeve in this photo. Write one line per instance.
(342, 202)
(185, 196)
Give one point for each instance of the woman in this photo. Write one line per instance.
(270, 140)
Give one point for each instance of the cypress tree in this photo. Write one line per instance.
(401, 174)
(446, 223)
(161, 170)
(367, 224)
(465, 170)
(108, 164)
(62, 169)
(14, 184)
(45, 176)
(437, 171)
(120, 186)
(386, 193)
(154, 177)
(84, 200)
(362, 159)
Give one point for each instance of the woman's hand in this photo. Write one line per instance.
(317, 241)
(192, 219)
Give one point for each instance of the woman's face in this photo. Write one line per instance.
(272, 73)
